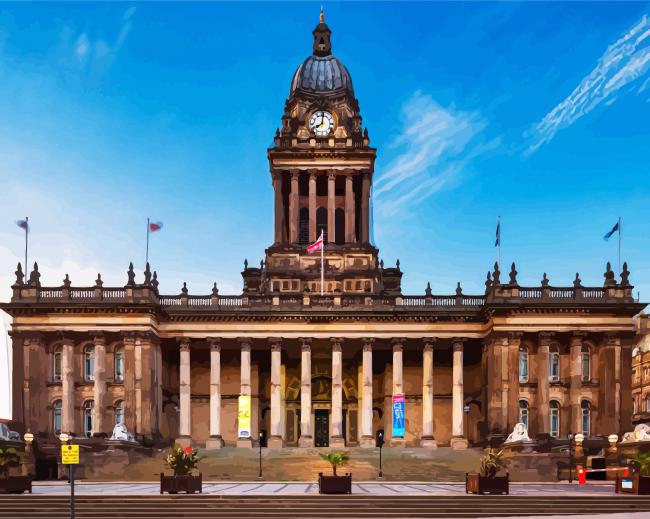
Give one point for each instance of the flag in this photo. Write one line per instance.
(616, 228)
(497, 242)
(22, 224)
(155, 226)
(317, 245)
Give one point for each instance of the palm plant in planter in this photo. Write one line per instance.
(9, 457)
(487, 481)
(335, 484)
(638, 481)
(182, 461)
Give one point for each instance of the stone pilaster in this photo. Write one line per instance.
(331, 208)
(575, 372)
(543, 355)
(312, 207)
(398, 382)
(279, 208)
(185, 399)
(245, 383)
(215, 441)
(367, 437)
(337, 439)
(427, 396)
(99, 389)
(365, 208)
(349, 210)
(293, 209)
(513, 342)
(276, 439)
(458, 440)
(68, 422)
(306, 437)
(128, 340)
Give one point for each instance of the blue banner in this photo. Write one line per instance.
(398, 416)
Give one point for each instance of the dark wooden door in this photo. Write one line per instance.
(322, 419)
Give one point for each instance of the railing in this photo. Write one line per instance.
(562, 293)
(87, 294)
(533, 293)
(51, 293)
(593, 293)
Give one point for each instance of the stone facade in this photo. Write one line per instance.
(322, 360)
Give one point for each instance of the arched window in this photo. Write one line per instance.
(88, 417)
(89, 363)
(523, 412)
(56, 416)
(554, 366)
(321, 222)
(523, 364)
(119, 412)
(56, 364)
(339, 226)
(554, 417)
(586, 417)
(586, 364)
(119, 365)
(303, 227)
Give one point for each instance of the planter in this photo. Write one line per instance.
(334, 484)
(477, 484)
(16, 485)
(634, 484)
(176, 484)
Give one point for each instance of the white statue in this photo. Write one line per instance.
(120, 432)
(518, 434)
(9, 435)
(641, 433)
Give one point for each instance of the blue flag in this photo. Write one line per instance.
(616, 228)
(22, 224)
(498, 240)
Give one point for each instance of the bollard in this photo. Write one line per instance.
(582, 476)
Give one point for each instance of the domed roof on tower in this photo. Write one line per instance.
(322, 72)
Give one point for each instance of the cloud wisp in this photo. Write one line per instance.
(434, 144)
(625, 63)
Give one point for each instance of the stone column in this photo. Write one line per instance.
(365, 208)
(575, 371)
(148, 383)
(306, 437)
(215, 441)
(331, 208)
(398, 383)
(185, 399)
(543, 354)
(67, 387)
(276, 437)
(312, 207)
(99, 389)
(513, 342)
(293, 209)
(337, 439)
(245, 384)
(349, 210)
(367, 438)
(427, 396)
(128, 339)
(458, 440)
(279, 208)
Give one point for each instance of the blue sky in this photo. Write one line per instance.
(115, 112)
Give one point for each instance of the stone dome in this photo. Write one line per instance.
(322, 75)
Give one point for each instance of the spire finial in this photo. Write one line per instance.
(322, 14)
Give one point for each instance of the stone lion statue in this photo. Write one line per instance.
(519, 433)
(120, 432)
(641, 433)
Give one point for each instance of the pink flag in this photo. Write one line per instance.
(317, 245)
(155, 226)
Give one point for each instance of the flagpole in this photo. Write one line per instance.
(26, 238)
(619, 243)
(147, 259)
(322, 271)
(499, 248)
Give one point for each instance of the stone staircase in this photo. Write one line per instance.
(314, 506)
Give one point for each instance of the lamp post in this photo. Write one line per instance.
(380, 437)
(260, 471)
(570, 436)
(65, 438)
(29, 438)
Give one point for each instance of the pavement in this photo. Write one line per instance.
(233, 488)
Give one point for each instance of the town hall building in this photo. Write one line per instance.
(300, 359)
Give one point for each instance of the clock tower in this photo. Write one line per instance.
(321, 166)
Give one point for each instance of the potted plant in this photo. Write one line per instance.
(487, 481)
(638, 480)
(182, 461)
(335, 484)
(9, 457)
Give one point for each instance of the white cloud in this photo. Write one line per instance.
(624, 62)
(433, 146)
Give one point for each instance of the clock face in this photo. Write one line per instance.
(321, 123)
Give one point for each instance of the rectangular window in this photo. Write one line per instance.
(554, 367)
(585, 367)
(555, 423)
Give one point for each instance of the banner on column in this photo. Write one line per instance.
(398, 416)
(244, 416)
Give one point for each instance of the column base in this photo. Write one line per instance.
(244, 443)
(367, 442)
(184, 441)
(398, 442)
(337, 442)
(428, 442)
(458, 443)
(305, 441)
(275, 442)
(214, 442)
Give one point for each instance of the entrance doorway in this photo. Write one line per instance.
(322, 419)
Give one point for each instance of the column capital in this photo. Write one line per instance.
(398, 343)
(99, 339)
(295, 175)
(367, 343)
(304, 341)
(184, 343)
(514, 336)
(215, 343)
(244, 343)
(336, 342)
(612, 339)
(428, 346)
(331, 175)
(458, 342)
(276, 343)
(545, 338)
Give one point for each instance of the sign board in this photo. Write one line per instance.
(244, 416)
(70, 454)
(627, 483)
(398, 416)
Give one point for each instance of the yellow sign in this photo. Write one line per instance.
(70, 454)
(244, 416)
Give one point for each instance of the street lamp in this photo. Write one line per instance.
(570, 436)
(380, 441)
(612, 438)
(260, 472)
(466, 410)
